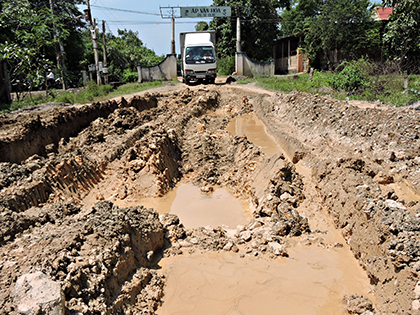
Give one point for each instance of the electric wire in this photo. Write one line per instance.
(108, 29)
(110, 14)
(149, 22)
(125, 10)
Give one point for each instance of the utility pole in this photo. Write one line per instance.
(239, 10)
(58, 48)
(171, 13)
(238, 32)
(105, 66)
(173, 35)
(93, 33)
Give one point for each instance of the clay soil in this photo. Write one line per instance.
(66, 172)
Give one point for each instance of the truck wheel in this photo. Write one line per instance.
(187, 81)
(211, 81)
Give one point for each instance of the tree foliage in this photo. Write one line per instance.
(125, 52)
(344, 26)
(258, 27)
(201, 26)
(297, 20)
(402, 36)
(29, 33)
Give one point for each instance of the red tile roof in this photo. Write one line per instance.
(382, 14)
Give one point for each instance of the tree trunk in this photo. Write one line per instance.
(5, 86)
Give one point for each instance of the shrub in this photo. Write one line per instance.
(66, 98)
(105, 89)
(415, 91)
(129, 76)
(351, 78)
(226, 65)
(92, 89)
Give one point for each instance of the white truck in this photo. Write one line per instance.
(198, 56)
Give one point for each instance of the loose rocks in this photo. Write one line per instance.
(37, 294)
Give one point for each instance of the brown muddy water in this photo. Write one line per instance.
(196, 209)
(313, 280)
(251, 126)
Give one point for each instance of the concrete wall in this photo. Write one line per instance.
(250, 68)
(166, 70)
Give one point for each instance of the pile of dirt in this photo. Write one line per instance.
(366, 168)
(101, 258)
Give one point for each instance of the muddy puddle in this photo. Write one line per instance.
(251, 126)
(195, 209)
(312, 281)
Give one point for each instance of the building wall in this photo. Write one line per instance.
(166, 70)
(250, 68)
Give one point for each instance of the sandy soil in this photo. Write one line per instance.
(341, 196)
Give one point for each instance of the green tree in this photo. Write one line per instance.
(342, 25)
(402, 34)
(259, 27)
(28, 37)
(201, 26)
(296, 21)
(125, 52)
(25, 48)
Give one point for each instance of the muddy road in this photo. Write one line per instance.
(210, 199)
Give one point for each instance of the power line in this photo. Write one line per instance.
(124, 10)
(128, 22)
(147, 22)
(110, 13)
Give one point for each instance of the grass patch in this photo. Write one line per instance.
(388, 89)
(88, 94)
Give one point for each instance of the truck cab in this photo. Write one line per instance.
(198, 57)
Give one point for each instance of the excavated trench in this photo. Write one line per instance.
(302, 220)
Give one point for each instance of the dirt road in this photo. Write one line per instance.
(330, 226)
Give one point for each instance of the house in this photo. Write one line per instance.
(382, 14)
(288, 58)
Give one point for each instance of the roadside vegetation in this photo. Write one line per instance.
(91, 93)
(329, 31)
(355, 80)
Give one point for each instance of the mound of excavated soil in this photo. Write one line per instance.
(63, 167)
(365, 165)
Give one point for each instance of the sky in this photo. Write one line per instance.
(154, 31)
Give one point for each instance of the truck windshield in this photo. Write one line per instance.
(199, 54)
